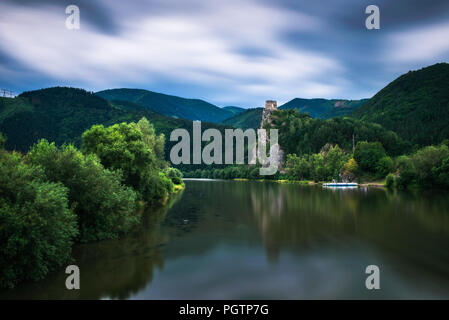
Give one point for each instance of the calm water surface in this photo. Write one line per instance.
(262, 240)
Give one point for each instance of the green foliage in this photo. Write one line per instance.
(247, 119)
(300, 134)
(2, 141)
(62, 114)
(335, 160)
(152, 141)
(415, 105)
(441, 173)
(172, 106)
(36, 226)
(298, 168)
(407, 171)
(234, 110)
(174, 174)
(427, 158)
(134, 152)
(384, 166)
(350, 170)
(323, 108)
(104, 207)
(390, 181)
(368, 154)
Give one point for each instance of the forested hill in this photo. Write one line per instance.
(301, 134)
(62, 114)
(415, 105)
(235, 110)
(250, 118)
(172, 106)
(323, 108)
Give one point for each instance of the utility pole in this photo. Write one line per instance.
(353, 145)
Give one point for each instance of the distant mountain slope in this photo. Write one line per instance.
(172, 106)
(250, 118)
(415, 105)
(323, 108)
(62, 114)
(234, 110)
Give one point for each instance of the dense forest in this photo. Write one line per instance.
(344, 149)
(55, 196)
(75, 167)
(323, 108)
(250, 118)
(172, 106)
(62, 114)
(415, 106)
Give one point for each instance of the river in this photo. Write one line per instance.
(264, 240)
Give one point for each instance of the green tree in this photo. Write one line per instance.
(407, 171)
(152, 141)
(36, 226)
(441, 173)
(105, 208)
(124, 147)
(426, 159)
(390, 181)
(335, 161)
(368, 154)
(319, 170)
(174, 174)
(2, 141)
(350, 170)
(384, 166)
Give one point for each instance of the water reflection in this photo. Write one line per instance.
(113, 269)
(228, 239)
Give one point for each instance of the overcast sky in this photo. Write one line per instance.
(228, 52)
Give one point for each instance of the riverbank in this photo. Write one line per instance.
(377, 184)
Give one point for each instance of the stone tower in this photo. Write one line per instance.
(270, 105)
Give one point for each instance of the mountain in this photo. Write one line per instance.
(415, 105)
(323, 108)
(172, 106)
(234, 110)
(62, 114)
(250, 118)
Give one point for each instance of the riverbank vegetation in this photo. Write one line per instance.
(54, 197)
(344, 149)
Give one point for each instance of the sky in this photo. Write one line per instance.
(229, 52)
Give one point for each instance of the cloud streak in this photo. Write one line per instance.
(233, 52)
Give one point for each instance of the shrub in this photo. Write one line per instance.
(368, 154)
(390, 181)
(174, 174)
(384, 166)
(103, 205)
(407, 171)
(36, 227)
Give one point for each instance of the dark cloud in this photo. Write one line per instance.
(92, 12)
(325, 35)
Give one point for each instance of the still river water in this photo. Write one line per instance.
(263, 240)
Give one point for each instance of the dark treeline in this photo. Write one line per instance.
(344, 149)
(53, 197)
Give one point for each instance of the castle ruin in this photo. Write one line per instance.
(270, 105)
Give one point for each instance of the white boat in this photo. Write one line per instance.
(340, 184)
